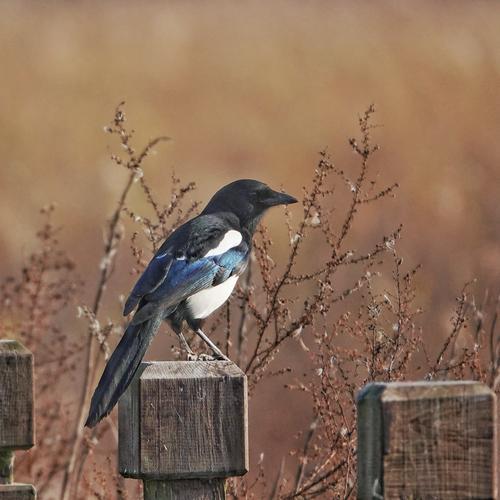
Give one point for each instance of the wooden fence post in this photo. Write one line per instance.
(427, 440)
(16, 415)
(183, 428)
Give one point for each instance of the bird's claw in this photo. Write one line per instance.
(199, 357)
(203, 357)
(206, 357)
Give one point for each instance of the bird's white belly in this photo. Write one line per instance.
(205, 302)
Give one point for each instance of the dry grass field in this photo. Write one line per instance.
(256, 90)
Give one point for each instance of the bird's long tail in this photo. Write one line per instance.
(122, 366)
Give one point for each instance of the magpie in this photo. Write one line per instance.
(191, 275)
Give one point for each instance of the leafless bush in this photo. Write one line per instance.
(354, 313)
(32, 307)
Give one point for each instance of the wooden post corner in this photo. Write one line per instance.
(183, 428)
(16, 415)
(427, 440)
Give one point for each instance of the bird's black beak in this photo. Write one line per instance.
(276, 198)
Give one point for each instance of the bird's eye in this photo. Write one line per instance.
(261, 193)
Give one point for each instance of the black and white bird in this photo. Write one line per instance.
(190, 276)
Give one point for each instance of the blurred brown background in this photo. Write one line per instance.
(256, 89)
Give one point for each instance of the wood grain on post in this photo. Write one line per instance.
(16, 415)
(183, 428)
(427, 440)
(17, 491)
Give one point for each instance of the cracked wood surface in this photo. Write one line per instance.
(182, 424)
(427, 440)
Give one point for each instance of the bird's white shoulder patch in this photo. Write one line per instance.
(231, 239)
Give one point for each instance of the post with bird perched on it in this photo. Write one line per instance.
(183, 428)
(16, 415)
(427, 440)
(192, 274)
(183, 425)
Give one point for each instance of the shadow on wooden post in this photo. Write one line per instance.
(427, 440)
(16, 415)
(183, 428)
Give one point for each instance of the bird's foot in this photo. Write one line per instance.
(199, 357)
(203, 357)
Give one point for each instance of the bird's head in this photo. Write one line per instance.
(248, 199)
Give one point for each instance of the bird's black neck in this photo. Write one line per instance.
(251, 224)
(247, 225)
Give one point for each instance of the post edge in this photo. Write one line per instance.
(370, 441)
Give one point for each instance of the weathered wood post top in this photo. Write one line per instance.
(427, 440)
(16, 415)
(183, 428)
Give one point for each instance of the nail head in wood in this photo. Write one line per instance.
(427, 440)
(184, 420)
(16, 396)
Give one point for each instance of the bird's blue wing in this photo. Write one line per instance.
(233, 262)
(181, 259)
(186, 277)
(152, 277)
